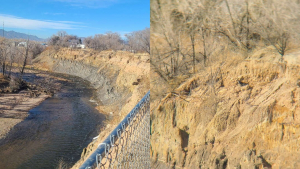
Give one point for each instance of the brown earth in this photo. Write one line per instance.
(242, 113)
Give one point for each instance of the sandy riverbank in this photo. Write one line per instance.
(14, 108)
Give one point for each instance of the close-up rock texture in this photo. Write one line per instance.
(225, 84)
(247, 116)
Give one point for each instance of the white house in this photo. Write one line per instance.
(75, 43)
(82, 46)
(22, 44)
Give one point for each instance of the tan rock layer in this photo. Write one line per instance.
(246, 116)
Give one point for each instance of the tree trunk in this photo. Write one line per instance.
(25, 59)
(194, 55)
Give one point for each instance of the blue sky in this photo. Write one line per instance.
(83, 18)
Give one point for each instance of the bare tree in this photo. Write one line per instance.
(167, 61)
(4, 53)
(54, 40)
(88, 42)
(62, 39)
(278, 22)
(61, 34)
(113, 40)
(193, 26)
(25, 54)
(36, 49)
(13, 54)
(21, 54)
(139, 40)
(109, 40)
(236, 23)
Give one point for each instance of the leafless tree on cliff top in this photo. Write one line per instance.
(139, 40)
(275, 22)
(279, 23)
(61, 39)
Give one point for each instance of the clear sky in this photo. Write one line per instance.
(83, 18)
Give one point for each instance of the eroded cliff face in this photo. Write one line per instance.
(120, 78)
(241, 114)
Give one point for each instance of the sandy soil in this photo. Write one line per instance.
(14, 109)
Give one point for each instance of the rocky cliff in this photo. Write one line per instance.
(243, 113)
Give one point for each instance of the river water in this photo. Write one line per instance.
(58, 129)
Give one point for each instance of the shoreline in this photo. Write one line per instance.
(14, 108)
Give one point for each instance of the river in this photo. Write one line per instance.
(58, 129)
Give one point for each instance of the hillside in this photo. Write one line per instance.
(225, 84)
(17, 35)
(246, 116)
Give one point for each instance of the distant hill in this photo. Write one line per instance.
(17, 35)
